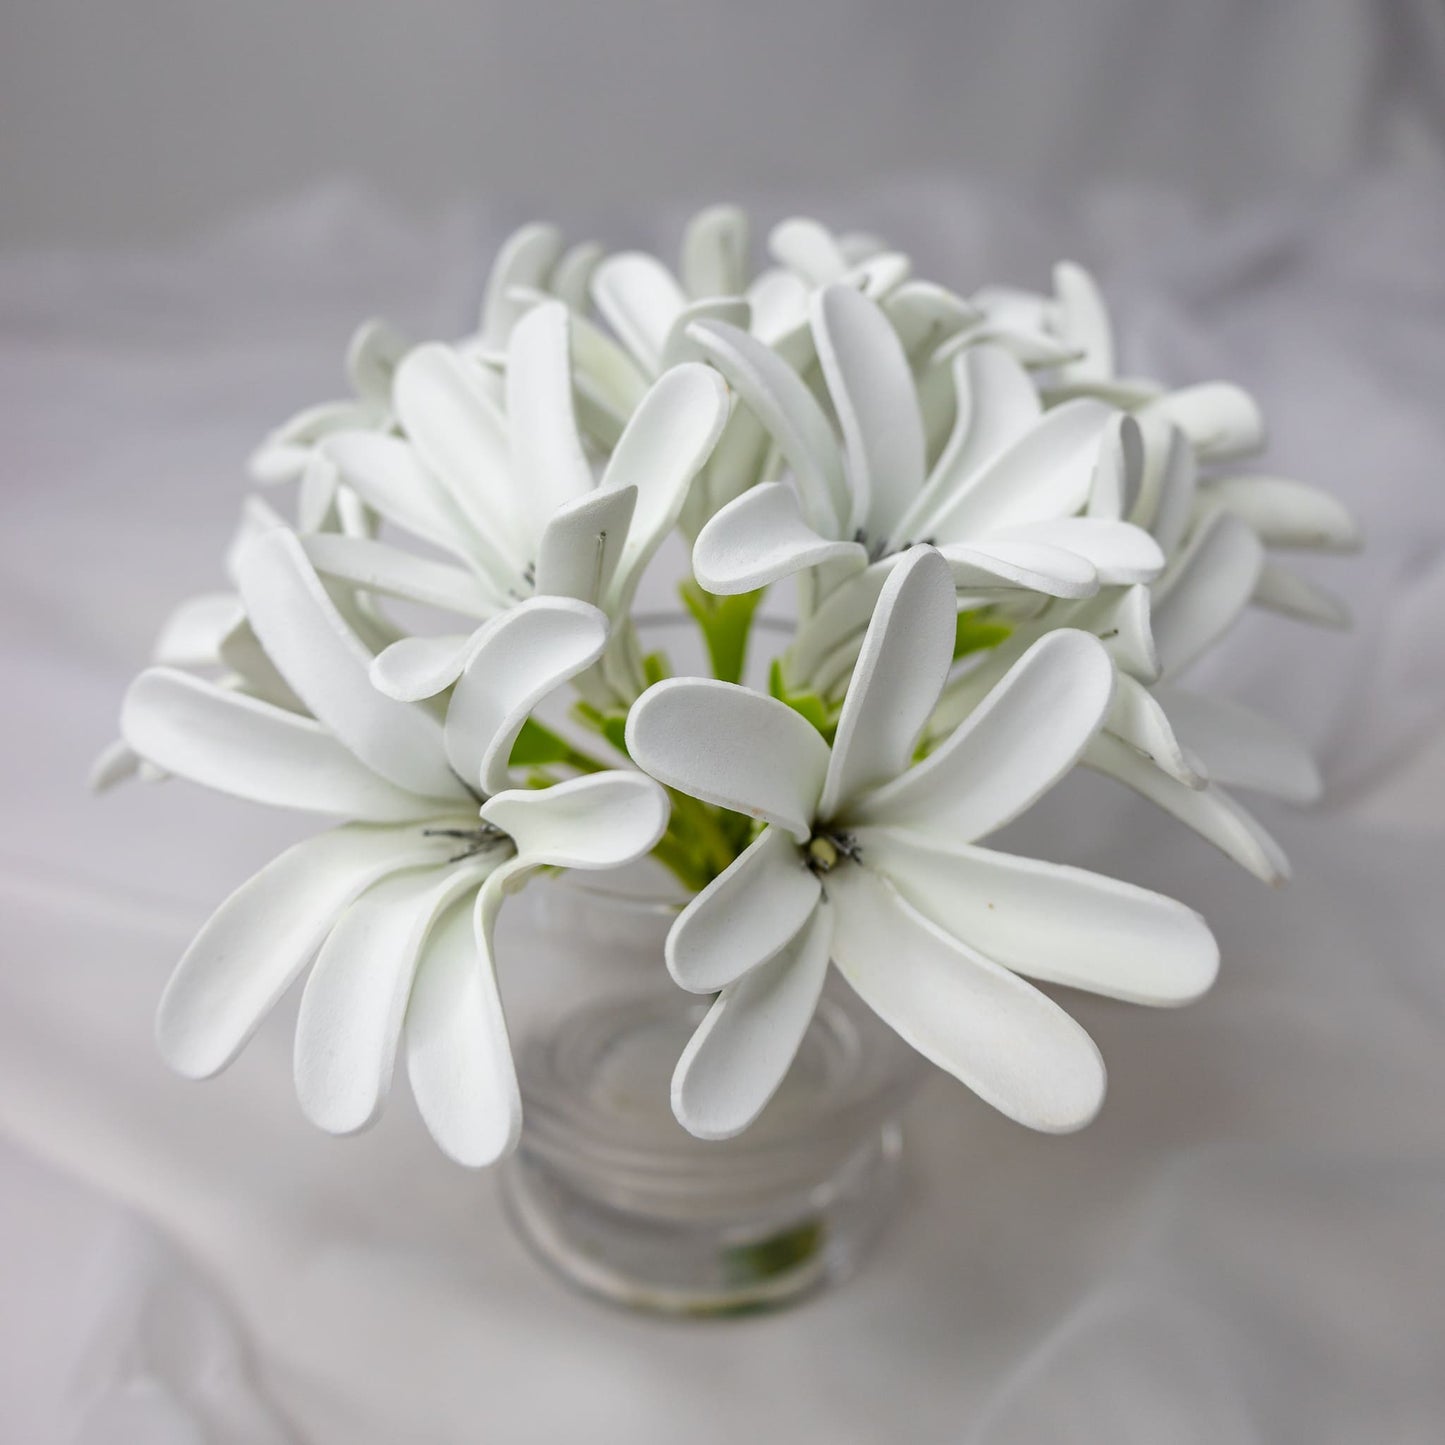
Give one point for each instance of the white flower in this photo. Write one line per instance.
(502, 483)
(1000, 503)
(869, 859)
(397, 905)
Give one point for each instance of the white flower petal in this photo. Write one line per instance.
(729, 745)
(324, 662)
(1210, 811)
(871, 385)
(1168, 482)
(191, 635)
(604, 371)
(600, 820)
(996, 405)
(458, 1055)
(782, 402)
(897, 679)
(242, 654)
(1138, 718)
(1013, 559)
(355, 998)
(839, 618)
(379, 567)
(715, 252)
(116, 763)
(1119, 552)
(283, 456)
(239, 745)
(1242, 749)
(265, 933)
(1050, 922)
(925, 315)
(1045, 474)
(758, 538)
(1015, 1048)
(516, 660)
(1205, 589)
(1221, 420)
(639, 299)
(809, 249)
(1285, 513)
(681, 347)
(745, 916)
(460, 433)
(779, 302)
(1024, 736)
(582, 545)
(1084, 325)
(742, 1050)
(1118, 473)
(420, 667)
(1120, 619)
(548, 462)
(670, 436)
(387, 474)
(1284, 590)
(523, 263)
(372, 357)
(571, 278)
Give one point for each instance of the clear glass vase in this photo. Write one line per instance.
(613, 1194)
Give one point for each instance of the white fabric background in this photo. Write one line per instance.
(1246, 1247)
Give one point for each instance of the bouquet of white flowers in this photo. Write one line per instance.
(1005, 555)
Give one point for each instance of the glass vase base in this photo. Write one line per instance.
(609, 1191)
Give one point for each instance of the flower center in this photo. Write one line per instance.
(825, 850)
(480, 839)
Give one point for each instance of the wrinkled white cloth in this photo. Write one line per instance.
(1248, 1244)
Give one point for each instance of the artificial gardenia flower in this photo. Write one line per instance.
(1001, 503)
(510, 493)
(397, 904)
(870, 859)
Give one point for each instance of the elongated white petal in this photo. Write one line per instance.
(680, 346)
(191, 635)
(1204, 591)
(458, 1055)
(420, 667)
(524, 263)
(602, 820)
(1283, 590)
(604, 371)
(1045, 474)
(1118, 471)
(1241, 748)
(387, 474)
(925, 315)
(378, 567)
(731, 746)
(372, 357)
(1137, 717)
(250, 749)
(745, 916)
(996, 406)
(322, 659)
(1210, 811)
(1013, 747)
(265, 933)
(639, 299)
(1168, 482)
(1083, 324)
(715, 252)
(516, 660)
(1015, 560)
(871, 385)
(842, 615)
(1120, 553)
(582, 545)
(1016, 1049)
(1221, 420)
(459, 432)
(809, 249)
(1122, 621)
(571, 278)
(897, 679)
(1050, 922)
(742, 1050)
(242, 654)
(779, 302)
(115, 764)
(354, 1001)
(284, 455)
(758, 538)
(671, 434)
(785, 406)
(548, 462)
(1285, 513)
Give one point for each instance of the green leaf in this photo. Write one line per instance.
(725, 624)
(810, 706)
(536, 746)
(976, 631)
(655, 667)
